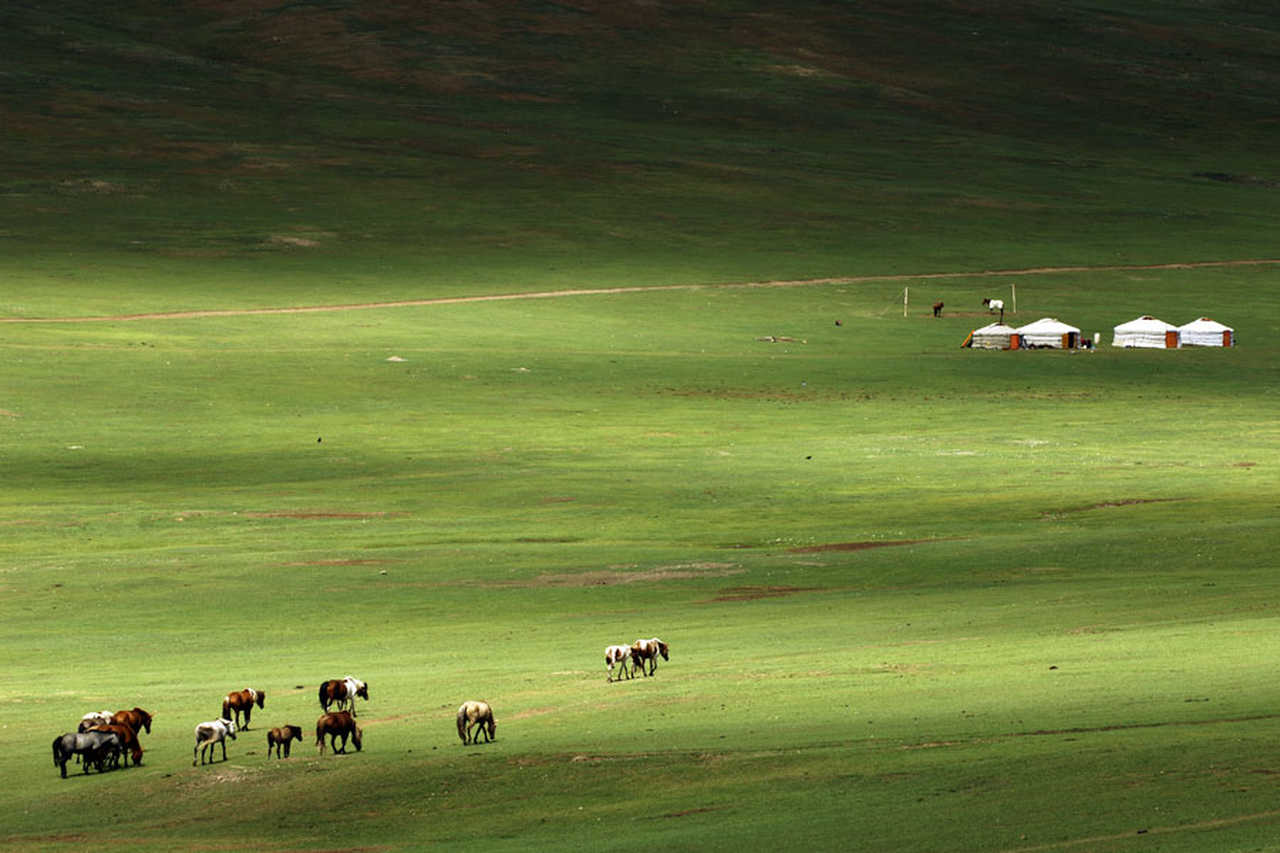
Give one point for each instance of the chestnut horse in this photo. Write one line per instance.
(241, 701)
(128, 739)
(338, 724)
(137, 719)
(648, 650)
(343, 692)
(479, 715)
(937, 308)
(283, 737)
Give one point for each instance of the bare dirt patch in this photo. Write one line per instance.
(320, 514)
(752, 593)
(858, 546)
(1051, 514)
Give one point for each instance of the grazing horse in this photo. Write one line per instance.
(620, 655)
(242, 701)
(209, 735)
(95, 747)
(993, 305)
(283, 737)
(338, 724)
(937, 308)
(479, 715)
(648, 650)
(343, 692)
(128, 739)
(137, 719)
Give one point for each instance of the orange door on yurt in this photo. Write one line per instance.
(1171, 340)
(1226, 338)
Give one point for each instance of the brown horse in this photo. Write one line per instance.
(283, 737)
(338, 724)
(648, 650)
(137, 719)
(479, 715)
(343, 693)
(241, 701)
(937, 308)
(128, 739)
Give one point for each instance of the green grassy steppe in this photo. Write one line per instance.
(919, 597)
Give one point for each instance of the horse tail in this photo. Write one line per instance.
(57, 751)
(226, 708)
(462, 723)
(320, 732)
(323, 705)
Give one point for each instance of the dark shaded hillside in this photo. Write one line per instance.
(550, 126)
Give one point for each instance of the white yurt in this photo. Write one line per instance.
(1146, 331)
(1207, 333)
(992, 336)
(1048, 332)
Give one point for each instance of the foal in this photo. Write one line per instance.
(283, 737)
(620, 655)
(209, 735)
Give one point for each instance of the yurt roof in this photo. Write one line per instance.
(1146, 323)
(995, 329)
(1204, 324)
(1046, 326)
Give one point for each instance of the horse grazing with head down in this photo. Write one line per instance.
(620, 655)
(209, 735)
(480, 716)
(242, 701)
(343, 693)
(283, 738)
(94, 748)
(128, 739)
(338, 724)
(648, 650)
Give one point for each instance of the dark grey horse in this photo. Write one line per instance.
(94, 748)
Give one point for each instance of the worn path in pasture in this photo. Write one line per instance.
(555, 294)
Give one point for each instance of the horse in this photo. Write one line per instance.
(128, 739)
(210, 734)
(95, 747)
(283, 737)
(136, 719)
(479, 715)
(338, 724)
(648, 650)
(233, 704)
(937, 308)
(343, 692)
(94, 718)
(620, 655)
(993, 305)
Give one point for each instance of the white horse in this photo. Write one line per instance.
(478, 715)
(620, 655)
(95, 718)
(994, 305)
(648, 650)
(211, 733)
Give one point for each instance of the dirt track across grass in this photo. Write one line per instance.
(556, 294)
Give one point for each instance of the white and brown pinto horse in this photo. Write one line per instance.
(343, 693)
(94, 718)
(643, 651)
(211, 734)
(338, 724)
(241, 702)
(283, 738)
(620, 655)
(478, 715)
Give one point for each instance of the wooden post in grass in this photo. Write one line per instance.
(1014, 288)
(904, 301)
